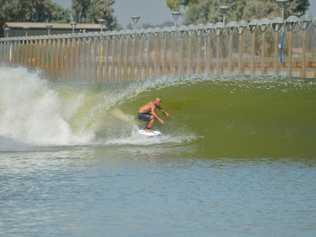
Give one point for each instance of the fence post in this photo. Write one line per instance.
(303, 54)
(290, 49)
(253, 45)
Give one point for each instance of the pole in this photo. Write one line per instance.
(303, 55)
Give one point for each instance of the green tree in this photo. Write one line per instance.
(176, 4)
(102, 9)
(202, 11)
(93, 10)
(298, 7)
(80, 10)
(43, 10)
(31, 11)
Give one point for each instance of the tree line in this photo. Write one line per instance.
(91, 11)
(31, 11)
(83, 11)
(202, 11)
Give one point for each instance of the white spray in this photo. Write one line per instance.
(31, 112)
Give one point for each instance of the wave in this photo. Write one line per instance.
(38, 112)
(220, 115)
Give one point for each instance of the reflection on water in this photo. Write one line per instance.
(146, 191)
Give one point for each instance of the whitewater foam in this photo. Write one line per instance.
(35, 112)
(136, 139)
(31, 112)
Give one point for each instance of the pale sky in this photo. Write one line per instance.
(313, 7)
(151, 11)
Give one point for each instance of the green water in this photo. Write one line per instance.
(241, 118)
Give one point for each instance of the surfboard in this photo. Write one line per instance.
(148, 133)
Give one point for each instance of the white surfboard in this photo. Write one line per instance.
(149, 133)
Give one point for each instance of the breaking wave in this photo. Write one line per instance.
(220, 116)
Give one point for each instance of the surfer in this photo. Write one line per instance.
(148, 113)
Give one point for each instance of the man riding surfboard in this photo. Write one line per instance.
(148, 113)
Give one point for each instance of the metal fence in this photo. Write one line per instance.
(259, 47)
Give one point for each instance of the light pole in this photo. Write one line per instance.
(26, 31)
(49, 28)
(283, 5)
(6, 31)
(135, 20)
(176, 16)
(73, 26)
(224, 11)
(101, 22)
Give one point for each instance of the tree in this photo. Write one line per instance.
(31, 11)
(298, 7)
(80, 10)
(176, 4)
(60, 14)
(93, 10)
(43, 10)
(102, 9)
(202, 11)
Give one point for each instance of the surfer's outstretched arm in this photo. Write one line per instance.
(153, 112)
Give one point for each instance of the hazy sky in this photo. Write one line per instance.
(151, 11)
(313, 7)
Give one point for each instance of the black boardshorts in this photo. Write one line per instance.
(144, 116)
